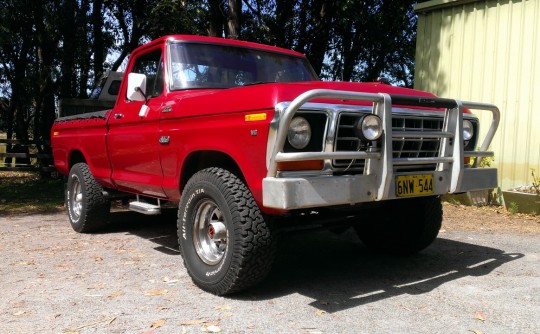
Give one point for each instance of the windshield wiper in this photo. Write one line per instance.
(258, 83)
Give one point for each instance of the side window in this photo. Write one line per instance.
(151, 65)
(114, 88)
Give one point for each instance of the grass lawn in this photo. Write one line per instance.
(26, 192)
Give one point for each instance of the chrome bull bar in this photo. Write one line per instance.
(379, 165)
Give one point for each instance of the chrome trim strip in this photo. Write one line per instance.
(304, 156)
(423, 134)
(421, 161)
(344, 108)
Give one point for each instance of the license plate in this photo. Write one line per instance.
(414, 185)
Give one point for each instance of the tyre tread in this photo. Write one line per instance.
(406, 227)
(254, 254)
(97, 207)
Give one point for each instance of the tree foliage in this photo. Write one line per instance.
(53, 49)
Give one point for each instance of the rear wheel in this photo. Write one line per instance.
(224, 240)
(404, 226)
(88, 209)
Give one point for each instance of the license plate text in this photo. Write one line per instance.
(414, 185)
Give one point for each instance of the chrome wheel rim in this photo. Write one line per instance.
(76, 198)
(209, 233)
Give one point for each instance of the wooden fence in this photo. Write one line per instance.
(18, 155)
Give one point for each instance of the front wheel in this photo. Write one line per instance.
(88, 209)
(403, 226)
(224, 240)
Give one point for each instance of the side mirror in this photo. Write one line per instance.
(136, 90)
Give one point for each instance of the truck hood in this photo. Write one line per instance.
(266, 96)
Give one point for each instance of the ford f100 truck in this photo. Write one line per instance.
(245, 140)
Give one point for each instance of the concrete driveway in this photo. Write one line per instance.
(130, 279)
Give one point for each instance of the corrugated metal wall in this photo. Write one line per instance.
(488, 51)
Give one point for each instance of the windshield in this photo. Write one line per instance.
(196, 65)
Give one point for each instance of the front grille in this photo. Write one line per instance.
(416, 147)
(346, 140)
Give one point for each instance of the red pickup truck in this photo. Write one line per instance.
(246, 141)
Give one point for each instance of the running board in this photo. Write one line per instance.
(145, 208)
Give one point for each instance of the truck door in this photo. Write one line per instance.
(133, 141)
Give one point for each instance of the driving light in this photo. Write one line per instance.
(299, 133)
(468, 130)
(368, 127)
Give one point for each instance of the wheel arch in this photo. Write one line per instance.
(199, 160)
(75, 157)
(99, 166)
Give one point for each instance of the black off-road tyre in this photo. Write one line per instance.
(88, 209)
(402, 227)
(224, 240)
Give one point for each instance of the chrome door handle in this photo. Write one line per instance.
(118, 116)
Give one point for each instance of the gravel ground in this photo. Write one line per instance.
(482, 278)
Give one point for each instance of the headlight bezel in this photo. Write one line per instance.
(299, 133)
(368, 128)
(468, 130)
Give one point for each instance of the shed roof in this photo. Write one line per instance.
(429, 6)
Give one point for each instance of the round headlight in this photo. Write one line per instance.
(299, 133)
(368, 128)
(468, 130)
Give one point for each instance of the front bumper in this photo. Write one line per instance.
(308, 192)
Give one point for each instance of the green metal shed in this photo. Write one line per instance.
(488, 51)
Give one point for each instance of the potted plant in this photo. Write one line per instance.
(524, 199)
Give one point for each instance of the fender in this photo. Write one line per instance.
(85, 137)
(244, 142)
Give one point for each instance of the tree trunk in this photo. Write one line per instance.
(97, 46)
(19, 103)
(235, 11)
(283, 29)
(217, 20)
(349, 56)
(68, 50)
(83, 46)
(137, 17)
(47, 39)
(321, 38)
(302, 38)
